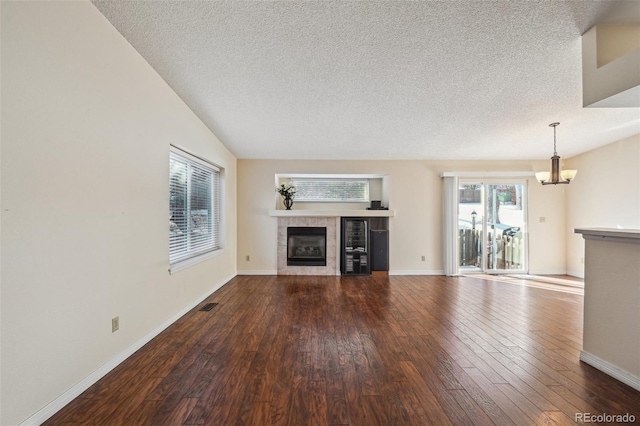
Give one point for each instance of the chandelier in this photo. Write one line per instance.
(555, 176)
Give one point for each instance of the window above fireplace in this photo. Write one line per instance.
(334, 191)
(331, 190)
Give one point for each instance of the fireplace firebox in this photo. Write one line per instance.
(306, 246)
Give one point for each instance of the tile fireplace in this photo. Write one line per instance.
(308, 246)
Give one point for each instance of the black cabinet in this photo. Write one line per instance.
(379, 250)
(354, 246)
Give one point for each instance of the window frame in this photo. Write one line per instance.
(190, 257)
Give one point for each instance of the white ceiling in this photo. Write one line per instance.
(381, 80)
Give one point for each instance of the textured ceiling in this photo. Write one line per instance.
(381, 80)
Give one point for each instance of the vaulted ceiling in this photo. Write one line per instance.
(381, 80)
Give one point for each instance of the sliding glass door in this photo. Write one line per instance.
(492, 226)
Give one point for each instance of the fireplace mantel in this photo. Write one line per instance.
(332, 213)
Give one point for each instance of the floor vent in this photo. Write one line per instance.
(208, 306)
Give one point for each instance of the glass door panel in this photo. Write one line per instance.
(470, 219)
(505, 227)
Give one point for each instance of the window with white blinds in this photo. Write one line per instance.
(331, 190)
(194, 207)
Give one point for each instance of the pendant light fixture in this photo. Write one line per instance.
(555, 176)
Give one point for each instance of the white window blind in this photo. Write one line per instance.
(331, 190)
(194, 207)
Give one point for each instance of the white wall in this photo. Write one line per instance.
(86, 128)
(611, 76)
(604, 194)
(415, 193)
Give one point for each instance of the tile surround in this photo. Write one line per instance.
(331, 223)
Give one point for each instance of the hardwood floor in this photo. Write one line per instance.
(563, 283)
(295, 350)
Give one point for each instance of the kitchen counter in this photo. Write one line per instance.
(611, 340)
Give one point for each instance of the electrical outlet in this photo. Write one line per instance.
(248, 258)
(582, 260)
(423, 258)
(115, 324)
(543, 219)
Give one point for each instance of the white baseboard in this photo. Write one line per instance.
(577, 274)
(613, 371)
(416, 272)
(549, 272)
(60, 402)
(259, 272)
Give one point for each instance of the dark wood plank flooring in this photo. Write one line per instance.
(410, 350)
